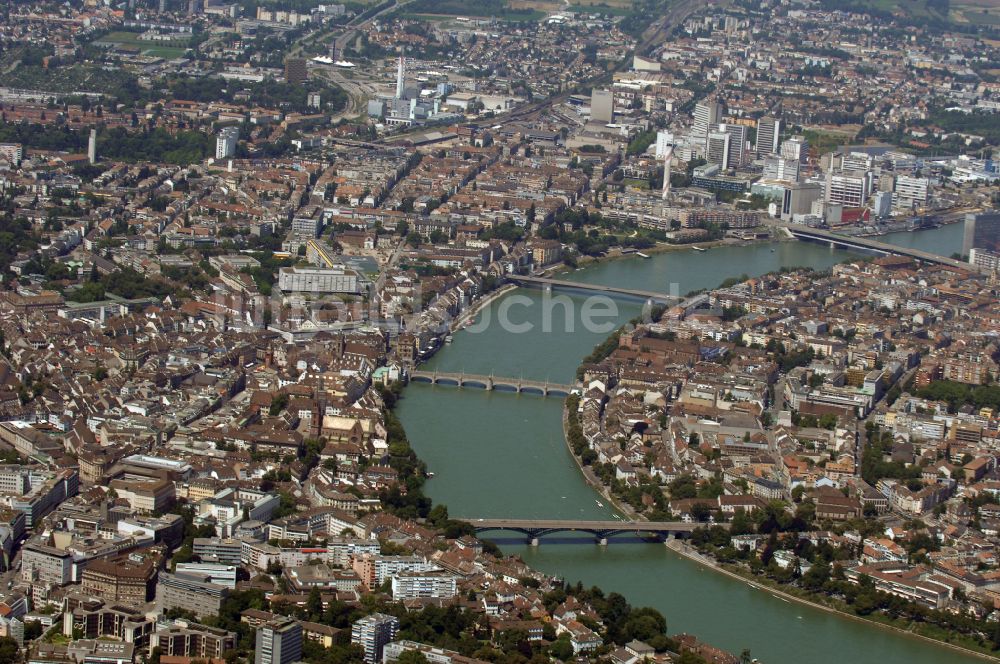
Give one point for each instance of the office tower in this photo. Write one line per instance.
(602, 106)
(779, 168)
(372, 633)
(737, 144)
(768, 132)
(279, 641)
(798, 197)
(315, 100)
(706, 117)
(717, 148)
(856, 161)
(882, 204)
(163, 6)
(295, 70)
(92, 147)
(982, 231)
(225, 142)
(191, 593)
(910, 192)
(849, 188)
(401, 77)
(796, 147)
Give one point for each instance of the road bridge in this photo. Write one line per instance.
(492, 382)
(868, 244)
(526, 280)
(534, 529)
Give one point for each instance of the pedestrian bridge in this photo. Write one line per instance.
(534, 529)
(492, 382)
(526, 280)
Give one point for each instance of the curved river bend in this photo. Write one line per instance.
(497, 454)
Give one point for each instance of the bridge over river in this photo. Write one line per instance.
(534, 529)
(526, 280)
(868, 244)
(492, 382)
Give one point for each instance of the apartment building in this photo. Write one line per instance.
(372, 633)
(190, 639)
(413, 584)
(278, 642)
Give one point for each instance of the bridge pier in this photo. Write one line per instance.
(533, 541)
(603, 541)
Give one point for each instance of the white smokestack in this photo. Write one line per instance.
(668, 156)
(400, 77)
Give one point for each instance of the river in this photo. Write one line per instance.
(497, 454)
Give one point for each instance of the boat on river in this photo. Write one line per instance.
(641, 255)
(696, 248)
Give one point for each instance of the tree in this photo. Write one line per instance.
(412, 657)
(560, 649)
(32, 630)
(644, 624)
(797, 493)
(278, 404)
(700, 512)
(438, 515)
(314, 604)
(683, 487)
(10, 651)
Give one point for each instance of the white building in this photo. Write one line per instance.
(225, 142)
(983, 259)
(318, 280)
(910, 192)
(850, 188)
(12, 152)
(796, 148)
(779, 168)
(217, 573)
(706, 117)
(372, 633)
(413, 584)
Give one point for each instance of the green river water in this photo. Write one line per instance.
(497, 454)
